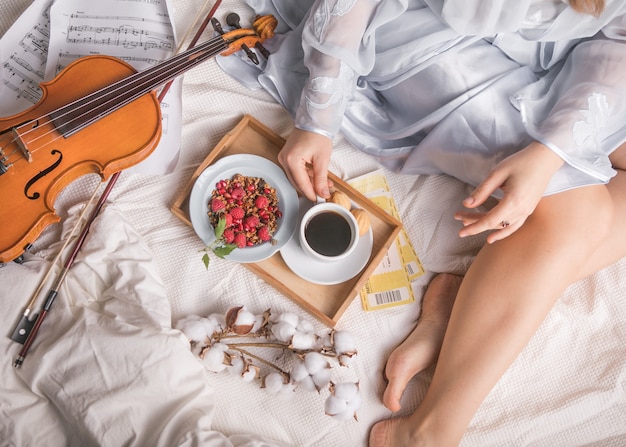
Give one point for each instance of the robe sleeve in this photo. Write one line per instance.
(338, 47)
(578, 109)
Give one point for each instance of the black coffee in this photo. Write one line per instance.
(328, 233)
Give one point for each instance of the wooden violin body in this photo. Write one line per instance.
(42, 160)
(99, 116)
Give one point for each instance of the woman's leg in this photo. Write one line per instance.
(421, 348)
(505, 296)
(613, 247)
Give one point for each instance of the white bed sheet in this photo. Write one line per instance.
(567, 388)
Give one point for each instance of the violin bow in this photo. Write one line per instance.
(26, 329)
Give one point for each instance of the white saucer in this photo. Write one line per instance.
(325, 273)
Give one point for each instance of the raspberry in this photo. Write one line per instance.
(240, 240)
(251, 222)
(229, 236)
(264, 234)
(237, 213)
(229, 219)
(261, 202)
(246, 205)
(217, 205)
(237, 193)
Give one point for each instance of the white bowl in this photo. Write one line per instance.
(250, 166)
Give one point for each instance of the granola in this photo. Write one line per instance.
(249, 207)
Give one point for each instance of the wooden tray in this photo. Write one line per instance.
(326, 302)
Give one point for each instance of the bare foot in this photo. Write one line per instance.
(421, 348)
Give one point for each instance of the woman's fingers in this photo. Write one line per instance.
(494, 221)
(305, 158)
(483, 191)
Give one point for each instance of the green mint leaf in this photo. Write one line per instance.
(224, 250)
(219, 229)
(205, 260)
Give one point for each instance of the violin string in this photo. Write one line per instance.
(168, 70)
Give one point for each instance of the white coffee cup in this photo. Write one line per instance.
(328, 232)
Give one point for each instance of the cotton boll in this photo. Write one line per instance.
(195, 328)
(194, 331)
(299, 371)
(305, 326)
(244, 317)
(346, 390)
(258, 321)
(251, 373)
(344, 343)
(239, 320)
(321, 378)
(302, 340)
(355, 403)
(283, 331)
(274, 382)
(344, 400)
(213, 358)
(236, 366)
(314, 362)
(288, 317)
(334, 405)
(218, 320)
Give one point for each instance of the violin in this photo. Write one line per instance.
(98, 115)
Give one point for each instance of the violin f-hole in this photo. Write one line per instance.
(42, 174)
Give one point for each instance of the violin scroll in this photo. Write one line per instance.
(262, 29)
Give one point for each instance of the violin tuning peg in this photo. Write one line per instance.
(217, 26)
(233, 19)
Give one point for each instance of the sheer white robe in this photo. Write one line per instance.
(453, 86)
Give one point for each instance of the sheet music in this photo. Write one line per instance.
(24, 52)
(51, 34)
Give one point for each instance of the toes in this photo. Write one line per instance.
(399, 372)
(391, 396)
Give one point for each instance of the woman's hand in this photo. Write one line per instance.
(523, 177)
(305, 158)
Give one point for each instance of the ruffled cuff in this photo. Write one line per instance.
(323, 102)
(579, 112)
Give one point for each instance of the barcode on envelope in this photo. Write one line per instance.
(390, 296)
(410, 268)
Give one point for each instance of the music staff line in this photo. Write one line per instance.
(118, 18)
(66, 58)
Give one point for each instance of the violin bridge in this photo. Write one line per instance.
(20, 144)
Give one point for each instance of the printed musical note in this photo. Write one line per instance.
(23, 70)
